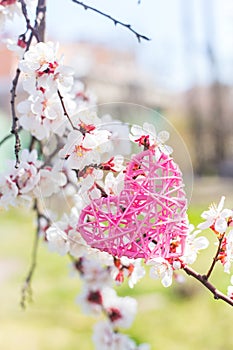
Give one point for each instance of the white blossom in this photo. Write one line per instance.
(161, 269)
(135, 273)
(103, 258)
(63, 236)
(8, 10)
(17, 46)
(30, 121)
(147, 134)
(30, 157)
(90, 300)
(230, 289)
(192, 246)
(113, 185)
(96, 275)
(51, 181)
(57, 240)
(85, 118)
(88, 190)
(77, 245)
(105, 338)
(42, 114)
(216, 217)
(84, 98)
(43, 70)
(8, 192)
(119, 139)
(74, 140)
(229, 252)
(121, 310)
(17, 185)
(83, 150)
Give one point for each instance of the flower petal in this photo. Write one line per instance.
(220, 225)
(221, 204)
(206, 224)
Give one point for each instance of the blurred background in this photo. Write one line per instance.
(184, 72)
(182, 77)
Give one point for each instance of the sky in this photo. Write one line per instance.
(176, 54)
(178, 30)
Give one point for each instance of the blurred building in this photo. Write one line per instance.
(115, 75)
(209, 111)
(8, 63)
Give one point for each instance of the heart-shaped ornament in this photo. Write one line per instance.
(147, 219)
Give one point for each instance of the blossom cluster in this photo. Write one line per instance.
(8, 10)
(11, 8)
(19, 186)
(219, 220)
(164, 268)
(99, 272)
(98, 297)
(43, 76)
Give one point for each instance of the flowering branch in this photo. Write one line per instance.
(120, 214)
(203, 280)
(115, 21)
(66, 114)
(37, 31)
(26, 289)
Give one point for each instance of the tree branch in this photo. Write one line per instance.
(15, 127)
(203, 280)
(114, 20)
(7, 137)
(215, 259)
(40, 18)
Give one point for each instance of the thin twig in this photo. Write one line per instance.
(203, 280)
(33, 30)
(26, 293)
(65, 110)
(215, 259)
(114, 20)
(26, 289)
(15, 127)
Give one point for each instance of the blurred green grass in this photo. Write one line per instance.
(184, 316)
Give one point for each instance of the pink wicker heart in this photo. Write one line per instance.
(147, 219)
